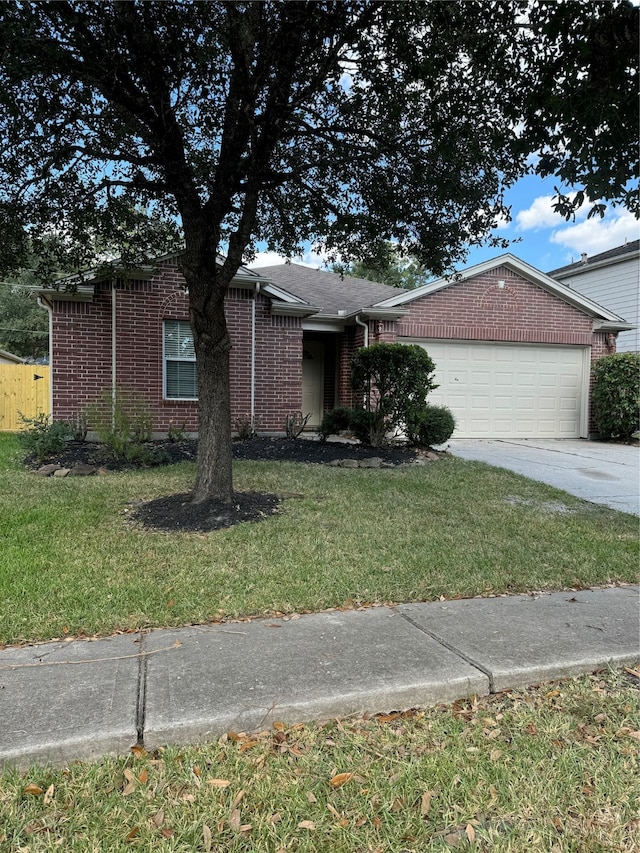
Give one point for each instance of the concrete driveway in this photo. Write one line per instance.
(595, 471)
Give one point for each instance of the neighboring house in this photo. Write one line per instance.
(613, 279)
(513, 347)
(10, 358)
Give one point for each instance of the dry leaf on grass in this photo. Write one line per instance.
(340, 779)
(306, 824)
(33, 790)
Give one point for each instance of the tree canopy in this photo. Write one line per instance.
(346, 123)
(387, 266)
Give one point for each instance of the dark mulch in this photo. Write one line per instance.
(177, 513)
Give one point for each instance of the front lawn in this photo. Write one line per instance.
(71, 561)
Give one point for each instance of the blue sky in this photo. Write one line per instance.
(546, 240)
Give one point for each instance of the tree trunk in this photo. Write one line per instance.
(212, 345)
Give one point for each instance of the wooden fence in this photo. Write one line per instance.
(24, 388)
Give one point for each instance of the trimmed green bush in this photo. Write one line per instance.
(616, 394)
(393, 379)
(335, 421)
(429, 425)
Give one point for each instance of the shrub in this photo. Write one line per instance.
(428, 425)
(335, 421)
(393, 379)
(42, 437)
(616, 394)
(245, 427)
(120, 419)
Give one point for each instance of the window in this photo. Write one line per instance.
(180, 377)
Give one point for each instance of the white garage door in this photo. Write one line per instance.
(511, 390)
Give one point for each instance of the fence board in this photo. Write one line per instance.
(23, 388)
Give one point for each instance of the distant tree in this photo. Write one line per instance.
(345, 122)
(24, 325)
(388, 267)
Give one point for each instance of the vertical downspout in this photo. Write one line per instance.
(113, 354)
(253, 355)
(49, 309)
(365, 326)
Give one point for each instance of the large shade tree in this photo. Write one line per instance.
(343, 123)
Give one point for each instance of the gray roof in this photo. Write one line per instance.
(611, 254)
(328, 290)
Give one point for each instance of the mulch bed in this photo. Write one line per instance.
(177, 513)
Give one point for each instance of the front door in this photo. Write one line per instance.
(312, 382)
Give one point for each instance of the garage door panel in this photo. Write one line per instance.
(509, 390)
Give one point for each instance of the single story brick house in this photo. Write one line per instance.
(512, 346)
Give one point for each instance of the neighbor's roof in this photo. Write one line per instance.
(335, 295)
(620, 253)
(9, 356)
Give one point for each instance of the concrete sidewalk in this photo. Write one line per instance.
(83, 699)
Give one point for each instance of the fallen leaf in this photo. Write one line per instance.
(249, 744)
(167, 833)
(234, 820)
(634, 672)
(278, 726)
(425, 803)
(196, 770)
(311, 797)
(143, 777)
(158, 819)
(452, 839)
(132, 833)
(334, 812)
(470, 832)
(206, 838)
(48, 795)
(33, 790)
(218, 783)
(237, 799)
(306, 824)
(138, 751)
(275, 818)
(340, 779)
(495, 754)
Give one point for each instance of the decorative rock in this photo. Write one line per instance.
(432, 456)
(373, 462)
(61, 472)
(82, 470)
(348, 463)
(48, 470)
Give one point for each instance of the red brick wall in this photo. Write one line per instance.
(81, 356)
(478, 309)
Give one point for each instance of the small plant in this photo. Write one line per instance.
(78, 426)
(616, 394)
(294, 423)
(176, 434)
(428, 425)
(120, 419)
(245, 427)
(43, 437)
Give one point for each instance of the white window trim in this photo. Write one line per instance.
(165, 359)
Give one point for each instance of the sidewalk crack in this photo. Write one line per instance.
(142, 690)
(474, 663)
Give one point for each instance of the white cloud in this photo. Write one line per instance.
(598, 235)
(270, 259)
(540, 214)
(266, 259)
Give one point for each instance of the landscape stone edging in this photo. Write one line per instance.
(374, 462)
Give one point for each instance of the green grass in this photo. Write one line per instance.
(553, 768)
(71, 561)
